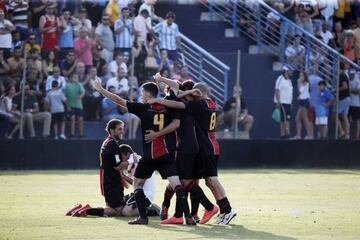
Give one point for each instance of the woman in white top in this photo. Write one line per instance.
(303, 86)
(6, 107)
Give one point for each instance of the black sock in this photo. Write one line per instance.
(140, 202)
(194, 205)
(197, 195)
(224, 205)
(168, 194)
(95, 212)
(181, 201)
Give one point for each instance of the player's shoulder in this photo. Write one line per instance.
(110, 143)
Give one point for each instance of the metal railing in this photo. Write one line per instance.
(205, 67)
(275, 33)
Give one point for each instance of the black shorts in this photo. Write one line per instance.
(76, 111)
(304, 103)
(114, 198)
(285, 110)
(354, 113)
(165, 165)
(186, 165)
(207, 165)
(57, 117)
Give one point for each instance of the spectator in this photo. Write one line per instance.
(49, 63)
(83, 22)
(18, 11)
(67, 26)
(32, 113)
(121, 83)
(112, 10)
(326, 35)
(16, 41)
(229, 116)
(357, 40)
(339, 37)
(38, 9)
(33, 74)
(32, 44)
(83, 48)
(80, 72)
(123, 32)
(92, 98)
(169, 35)
(68, 65)
(165, 62)
(104, 37)
(324, 100)
(16, 64)
(349, 45)
(119, 62)
(303, 87)
(139, 53)
(56, 99)
(74, 93)
(140, 26)
(151, 63)
(184, 74)
(327, 10)
(94, 10)
(49, 27)
(4, 68)
(343, 105)
(61, 82)
(305, 11)
(354, 111)
(283, 99)
(110, 109)
(6, 27)
(35, 55)
(295, 53)
(149, 6)
(7, 109)
(99, 63)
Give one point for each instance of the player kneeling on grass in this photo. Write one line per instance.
(113, 160)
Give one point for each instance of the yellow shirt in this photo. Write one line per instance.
(340, 12)
(112, 10)
(28, 47)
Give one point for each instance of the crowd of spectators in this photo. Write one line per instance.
(62, 47)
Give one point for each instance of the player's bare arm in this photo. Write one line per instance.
(113, 97)
(152, 135)
(168, 103)
(171, 83)
(194, 92)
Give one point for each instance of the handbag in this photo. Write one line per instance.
(276, 115)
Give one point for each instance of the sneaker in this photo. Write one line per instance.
(228, 217)
(139, 221)
(164, 213)
(190, 221)
(196, 218)
(73, 209)
(219, 218)
(62, 136)
(81, 212)
(209, 214)
(173, 220)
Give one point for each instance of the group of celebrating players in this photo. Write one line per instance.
(178, 138)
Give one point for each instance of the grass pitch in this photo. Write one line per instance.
(271, 204)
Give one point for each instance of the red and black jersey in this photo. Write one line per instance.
(154, 117)
(204, 113)
(110, 178)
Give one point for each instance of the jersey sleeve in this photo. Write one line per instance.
(193, 107)
(136, 108)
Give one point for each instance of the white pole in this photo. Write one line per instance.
(238, 104)
(22, 86)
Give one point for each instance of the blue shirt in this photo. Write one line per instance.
(322, 98)
(66, 39)
(107, 103)
(167, 35)
(124, 39)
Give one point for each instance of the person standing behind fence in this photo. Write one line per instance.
(56, 99)
(283, 99)
(323, 102)
(304, 104)
(354, 111)
(74, 93)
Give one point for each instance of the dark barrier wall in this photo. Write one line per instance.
(83, 154)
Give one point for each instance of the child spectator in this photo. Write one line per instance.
(56, 100)
(322, 106)
(74, 93)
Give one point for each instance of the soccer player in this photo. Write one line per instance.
(187, 164)
(159, 154)
(203, 111)
(113, 160)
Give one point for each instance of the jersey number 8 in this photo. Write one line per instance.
(212, 121)
(159, 120)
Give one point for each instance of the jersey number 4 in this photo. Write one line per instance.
(159, 120)
(212, 122)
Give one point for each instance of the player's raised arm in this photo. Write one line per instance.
(174, 85)
(113, 97)
(168, 103)
(151, 135)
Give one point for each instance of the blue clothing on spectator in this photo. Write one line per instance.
(107, 103)
(323, 97)
(66, 39)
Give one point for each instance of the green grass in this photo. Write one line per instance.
(271, 204)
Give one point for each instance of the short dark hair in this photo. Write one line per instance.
(151, 88)
(111, 86)
(323, 83)
(125, 9)
(187, 85)
(54, 84)
(144, 11)
(170, 15)
(125, 149)
(66, 10)
(112, 124)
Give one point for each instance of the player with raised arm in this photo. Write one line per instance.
(203, 111)
(157, 155)
(186, 161)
